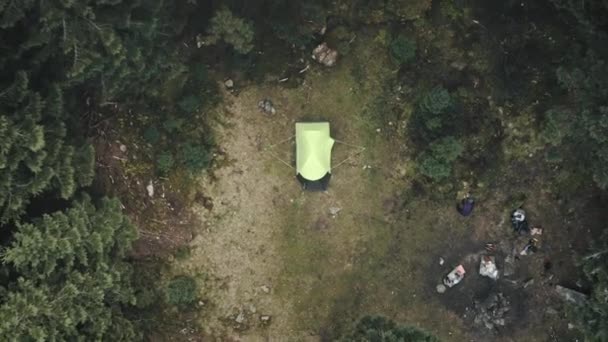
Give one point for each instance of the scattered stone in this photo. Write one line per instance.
(150, 189)
(571, 326)
(378, 130)
(201, 303)
(200, 41)
(551, 311)
(441, 261)
(570, 295)
(229, 84)
(265, 289)
(492, 312)
(265, 319)
(458, 65)
(441, 288)
(240, 318)
(528, 282)
(266, 106)
(334, 210)
(252, 308)
(123, 148)
(325, 55)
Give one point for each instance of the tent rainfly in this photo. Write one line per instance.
(313, 154)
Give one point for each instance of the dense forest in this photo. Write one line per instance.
(83, 82)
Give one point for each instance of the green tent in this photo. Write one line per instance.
(313, 154)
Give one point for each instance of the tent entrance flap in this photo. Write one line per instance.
(313, 150)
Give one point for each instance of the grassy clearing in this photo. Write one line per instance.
(378, 255)
(366, 259)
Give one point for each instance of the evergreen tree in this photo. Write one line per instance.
(583, 123)
(593, 317)
(436, 161)
(70, 277)
(34, 154)
(235, 31)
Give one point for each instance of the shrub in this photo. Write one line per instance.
(165, 162)
(378, 328)
(190, 104)
(233, 30)
(437, 101)
(195, 157)
(152, 135)
(172, 124)
(181, 291)
(436, 161)
(403, 49)
(434, 115)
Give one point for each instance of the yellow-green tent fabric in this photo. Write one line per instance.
(313, 149)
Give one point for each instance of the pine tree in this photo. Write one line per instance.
(593, 316)
(34, 154)
(233, 30)
(71, 276)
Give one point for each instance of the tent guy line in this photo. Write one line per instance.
(313, 154)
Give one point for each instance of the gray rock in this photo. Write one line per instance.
(266, 106)
(325, 55)
(571, 295)
(492, 312)
(229, 84)
(441, 288)
(551, 311)
(265, 319)
(240, 318)
(458, 65)
(265, 289)
(334, 210)
(150, 189)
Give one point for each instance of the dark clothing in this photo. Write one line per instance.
(465, 208)
(520, 227)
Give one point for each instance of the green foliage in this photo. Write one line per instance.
(435, 102)
(403, 49)
(593, 316)
(69, 277)
(407, 9)
(296, 22)
(190, 104)
(436, 162)
(182, 291)
(434, 115)
(381, 329)
(195, 157)
(152, 134)
(35, 154)
(233, 30)
(584, 124)
(165, 162)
